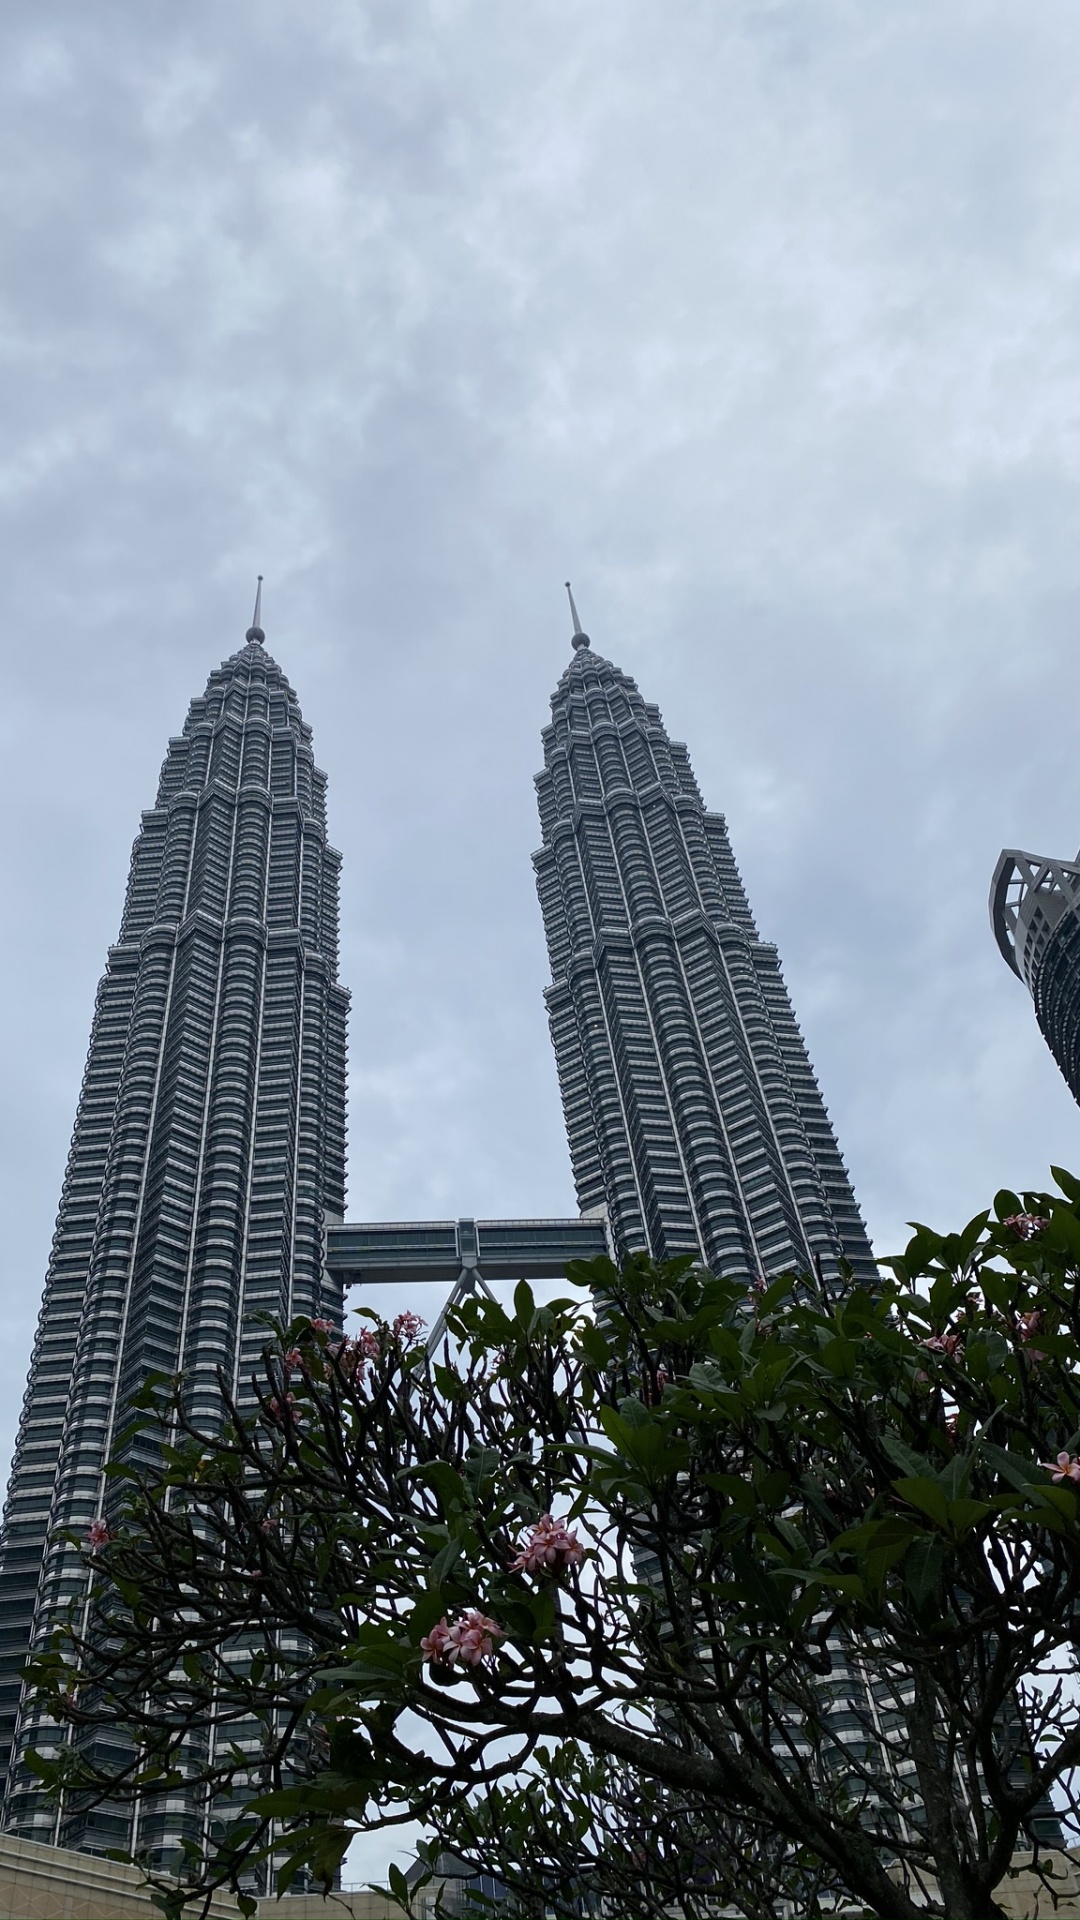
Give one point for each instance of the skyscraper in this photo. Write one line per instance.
(1035, 913)
(691, 1107)
(207, 1157)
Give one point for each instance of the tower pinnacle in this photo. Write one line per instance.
(581, 638)
(255, 631)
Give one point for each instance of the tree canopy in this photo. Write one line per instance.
(712, 1589)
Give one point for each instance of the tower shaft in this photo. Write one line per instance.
(207, 1156)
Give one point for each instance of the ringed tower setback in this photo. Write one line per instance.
(208, 1153)
(692, 1110)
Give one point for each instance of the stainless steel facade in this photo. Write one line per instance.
(692, 1110)
(1035, 914)
(208, 1152)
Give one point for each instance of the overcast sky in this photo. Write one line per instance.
(758, 318)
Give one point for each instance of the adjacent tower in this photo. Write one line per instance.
(692, 1110)
(1035, 913)
(208, 1152)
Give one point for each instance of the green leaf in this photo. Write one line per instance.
(481, 1463)
(921, 1249)
(447, 1485)
(985, 1354)
(879, 1533)
(757, 1587)
(739, 1492)
(444, 1562)
(922, 1569)
(428, 1610)
(839, 1355)
(1069, 1184)
(1061, 1498)
(643, 1441)
(777, 1291)
(902, 1455)
(999, 1289)
(883, 1559)
(593, 1276)
(773, 1488)
(955, 1477)
(965, 1514)
(400, 1890)
(595, 1346)
(968, 1240)
(945, 1293)
(1063, 1233)
(543, 1611)
(1013, 1468)
(927, 1495)
(847, 1584)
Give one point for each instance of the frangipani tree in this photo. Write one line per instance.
(723, 1591)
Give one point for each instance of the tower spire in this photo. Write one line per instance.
(255, 631)
(581, 638)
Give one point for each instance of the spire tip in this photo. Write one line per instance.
(580, 637)
(255, 631)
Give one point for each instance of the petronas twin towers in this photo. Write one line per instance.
(207, 1167)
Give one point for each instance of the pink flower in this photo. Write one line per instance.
(1066, 1469)
(652, 1395)
(284, 1410)
(1029, 1324)
(471, 1640)
(349, 1358)
(550, 1548)
(352, 1355)
(293, 1359)
(947, 1343)
(407, 1328)
(97, 1534)
(323, 1326)
(474, 1637)
(1026, 1225)
(435, 1645)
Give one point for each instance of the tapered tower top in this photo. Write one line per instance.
(255, 631)
(581, 638)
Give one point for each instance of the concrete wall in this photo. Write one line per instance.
(51, 1883)
(1026, 1899)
